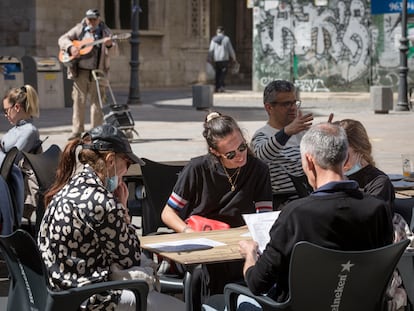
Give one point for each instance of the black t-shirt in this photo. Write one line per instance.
(204, 189)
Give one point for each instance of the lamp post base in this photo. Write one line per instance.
(133, 101)
(402, 107)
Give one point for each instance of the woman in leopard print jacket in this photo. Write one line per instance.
(86, 226)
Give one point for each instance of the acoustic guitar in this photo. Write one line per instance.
(85, 47)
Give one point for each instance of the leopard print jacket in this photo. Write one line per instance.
(82, 233)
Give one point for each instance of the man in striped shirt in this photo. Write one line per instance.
(277, 143)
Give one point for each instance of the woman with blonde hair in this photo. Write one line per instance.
(360, 165)
(20, 106)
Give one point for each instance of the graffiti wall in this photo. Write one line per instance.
(337, 47)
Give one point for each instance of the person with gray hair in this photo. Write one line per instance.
(330, 217)
(328, 145)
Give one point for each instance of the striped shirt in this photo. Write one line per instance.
(281, 153)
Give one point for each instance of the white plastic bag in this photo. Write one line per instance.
(235, 68)
(210, 72)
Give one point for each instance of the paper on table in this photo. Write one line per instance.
(184, 245)
(259, 226)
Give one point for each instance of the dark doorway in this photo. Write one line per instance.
(237, 21)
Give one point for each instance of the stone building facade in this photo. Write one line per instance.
(173, 39)
(336, 46)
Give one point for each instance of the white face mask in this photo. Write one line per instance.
(111, 183)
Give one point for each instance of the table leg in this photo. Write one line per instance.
(188, 291)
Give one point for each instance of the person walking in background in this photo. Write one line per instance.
(220, 54)
(81, 65)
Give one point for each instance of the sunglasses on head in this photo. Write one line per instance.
(231, 154)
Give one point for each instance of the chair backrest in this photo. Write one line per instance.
(327, 279)
(7, 209)
(8, 162)
(44, 166)
(13, 177)
(28, 278)
(301, 185)
(300, 182)
(405, 207)
(159, 181)
(406, 268)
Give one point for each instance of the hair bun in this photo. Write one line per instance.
(212, 115)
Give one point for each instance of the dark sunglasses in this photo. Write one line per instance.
(126, 159)
(231, 154)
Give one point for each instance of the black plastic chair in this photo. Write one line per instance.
(159, 180)
(8, 172)
(300, 182)
(406, 269)
(327, 279)
(301, 185)
(29, 287)
(44, 166)
(405, 207)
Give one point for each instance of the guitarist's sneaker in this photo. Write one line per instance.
(74, 136)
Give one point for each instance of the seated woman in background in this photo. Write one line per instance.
(86, 227)
(20, 106)
(360, 167)
(222, 185)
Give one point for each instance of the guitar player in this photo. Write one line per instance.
(80, 60)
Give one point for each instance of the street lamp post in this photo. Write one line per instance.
(134, 96)
(402, 104)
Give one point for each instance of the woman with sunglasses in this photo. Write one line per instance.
(86, 227)
(222, 185)
(20, 106)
